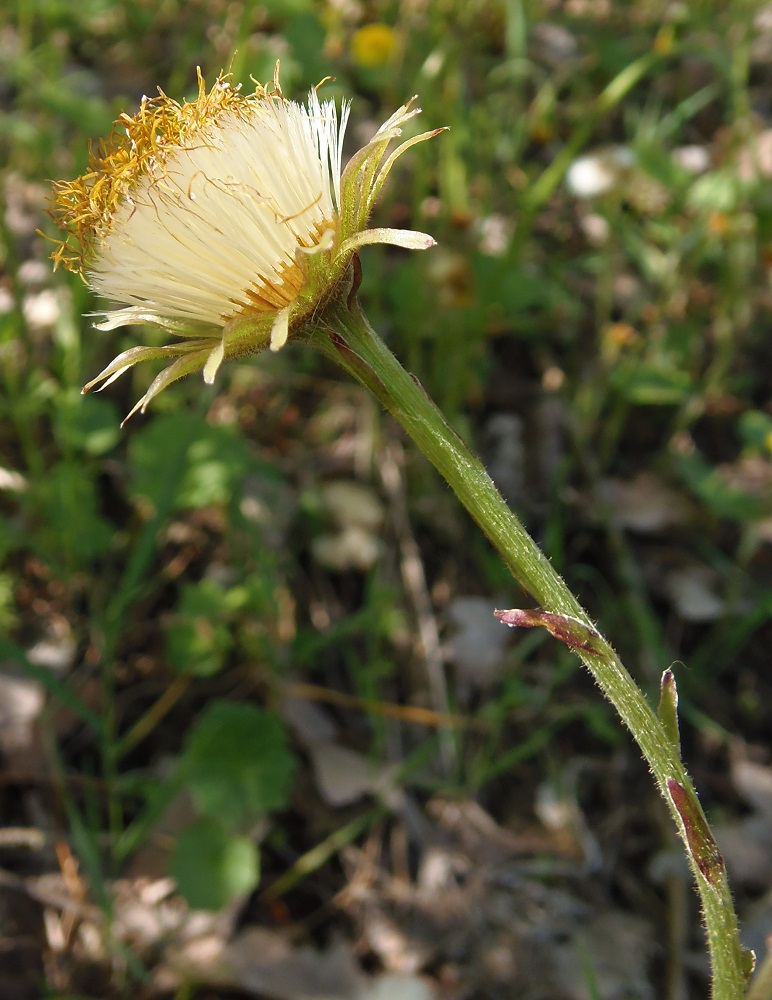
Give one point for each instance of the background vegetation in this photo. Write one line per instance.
(247, 641)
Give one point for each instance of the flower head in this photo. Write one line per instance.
(226, 220)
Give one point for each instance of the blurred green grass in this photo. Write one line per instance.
(619, 313)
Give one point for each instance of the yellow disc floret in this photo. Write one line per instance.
(138, 145)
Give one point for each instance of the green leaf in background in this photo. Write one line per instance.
(305, 35)
(236, 763)
(70, 531)
(756, 430)
(714, 192)
(651, 384)
(707, 484)
(89, 424)
(8, 616)
(218, 458)
(212, 867)
(517, 295)
(199, 638)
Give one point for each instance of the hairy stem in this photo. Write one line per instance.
(343, 334)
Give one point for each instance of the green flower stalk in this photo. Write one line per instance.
(343, 333)
(229, 222)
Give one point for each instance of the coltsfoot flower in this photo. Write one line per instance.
(227, 221)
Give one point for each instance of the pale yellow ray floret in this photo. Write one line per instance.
(225, 220)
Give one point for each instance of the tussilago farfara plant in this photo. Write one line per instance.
(229, 222)
(226, 220)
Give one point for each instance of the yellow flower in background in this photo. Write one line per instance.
(227, 220)
(373, 45)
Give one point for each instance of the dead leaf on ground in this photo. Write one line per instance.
(645, 503)
(746, 844)
(478, 643)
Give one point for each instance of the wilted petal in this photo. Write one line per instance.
(408, 239)
(280, 330)
(134, 355)
(134, 315)
(179, 369)
(213, 363)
